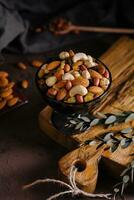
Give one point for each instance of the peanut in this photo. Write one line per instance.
(68, 85)
(79, 98)
(95, 90)
(50, 81)
(12, 101)
(101, 69)
(80, 81)
(36, 63)
(78, 89)
(89, 97)
(51, 92)
(95, 74)
(83, 67)
(67, 67)
(25, 84)
(61, 94)
(2, 104)
(96, 81)
(106, 74)
(53, 65)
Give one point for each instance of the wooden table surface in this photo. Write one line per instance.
(27, 155)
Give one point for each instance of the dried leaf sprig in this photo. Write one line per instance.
(127, 178)
(82, 122)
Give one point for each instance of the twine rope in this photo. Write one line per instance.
(72, 186)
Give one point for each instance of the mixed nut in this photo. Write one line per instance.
(74, 78)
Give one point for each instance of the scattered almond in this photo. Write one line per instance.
(36, 63)
(22, 65)
(25, 84)
(12, 101)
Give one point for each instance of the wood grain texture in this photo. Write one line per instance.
(120, 60)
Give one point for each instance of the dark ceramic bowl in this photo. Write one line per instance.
(70, 108)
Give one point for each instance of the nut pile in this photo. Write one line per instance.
(7, 96)
(74, 78)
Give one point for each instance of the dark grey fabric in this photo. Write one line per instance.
(16, 18)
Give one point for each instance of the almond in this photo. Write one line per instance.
(9, 97)
(94, 74)
(59, 74)
(10, 85)
(2, 104)
(79, 98)
(6, 93)
(80, 81)
(3, 82)
(59, 85)
(53, 65)
(3, 74)
(12, 101)
(61, 94)
(96, 90)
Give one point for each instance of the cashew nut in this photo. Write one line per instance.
(86, 74)
(50, 81)
(67, 76)
(78, 89)
(63, 55)
(79, 56)
(90, 62)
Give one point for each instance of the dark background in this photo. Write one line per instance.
(17, 18)
(25, 153)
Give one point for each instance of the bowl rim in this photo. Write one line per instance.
(74, 104)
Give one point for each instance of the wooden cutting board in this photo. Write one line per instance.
(120, 60)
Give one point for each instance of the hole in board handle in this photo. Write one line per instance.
(80, 165)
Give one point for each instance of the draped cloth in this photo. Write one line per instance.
(18, 16)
